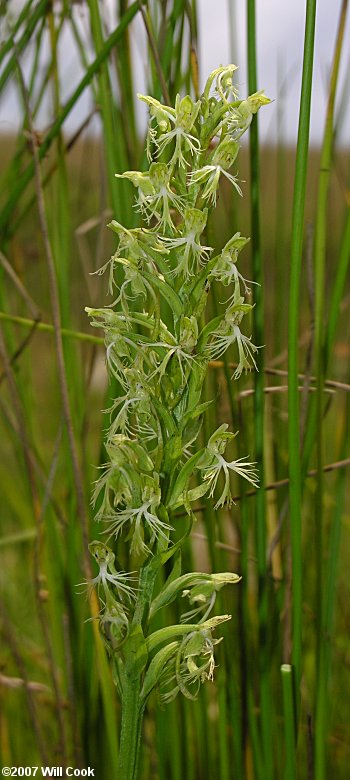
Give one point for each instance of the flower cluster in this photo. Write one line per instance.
(159, 342)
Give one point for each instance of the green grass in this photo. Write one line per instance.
(254, 722)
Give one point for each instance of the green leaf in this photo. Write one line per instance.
(165, 418)
(196, 412)
(172, 452)
(183, 478)
(169, 295)
(182, 629)
(171, 589)
(156, 667)
(208, 330)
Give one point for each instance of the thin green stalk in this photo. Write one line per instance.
(167, 52)
(234, 716)
(282, 208)
(35, 65)
(256, 746)
(330, 578)
(334, 311)
(338, 288)
(155, 54)
(45, 327)
(293, 335)
(188, 762)
(61, 230)
(259, 398)
(225, 769)
(320, 268)
(130, 728)
(290, 772)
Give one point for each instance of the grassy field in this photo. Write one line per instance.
(58, 702)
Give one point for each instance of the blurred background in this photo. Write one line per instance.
(69, 74)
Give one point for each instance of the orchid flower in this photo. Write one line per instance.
(242, 115)
(181, 350)
(214, 465)
(108, 575)
(183, 119)
(143, 518)
(188, 242)
(229, 333)
(209, 176)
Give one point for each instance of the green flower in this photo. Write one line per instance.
(202, 594)
(209, 176)
(213, 465)
(181, 350)
(193, 664)
(108, 575)
(242, 115)
(192, 251)
(224, 88)
(229, 333)
(182, 119)
(142, 518)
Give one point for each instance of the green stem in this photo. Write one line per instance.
(320, 272)
(260, 536)
(289, 721)
(294, 305)
(130, 727)
(46, 327)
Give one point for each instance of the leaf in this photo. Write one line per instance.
(172, 452)
(208, 330)
(165, 417)
(162, 557)
(183, 629)
(199, 281)
(183, 478)
(191, 495)
(170, 591)
(196, 412)
(169, 295)
(156, 667)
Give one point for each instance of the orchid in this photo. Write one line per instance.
(209, 175)
(188, 242)
(223, 79)
(108, 575)
(202, 595)
(143, 519)
(242, 115)
(229, 333)
(160, 336)
(183, 119)
(213, 465)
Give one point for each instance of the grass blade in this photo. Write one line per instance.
(295, 275)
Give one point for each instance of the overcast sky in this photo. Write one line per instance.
(280, 38)
(280, 32)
